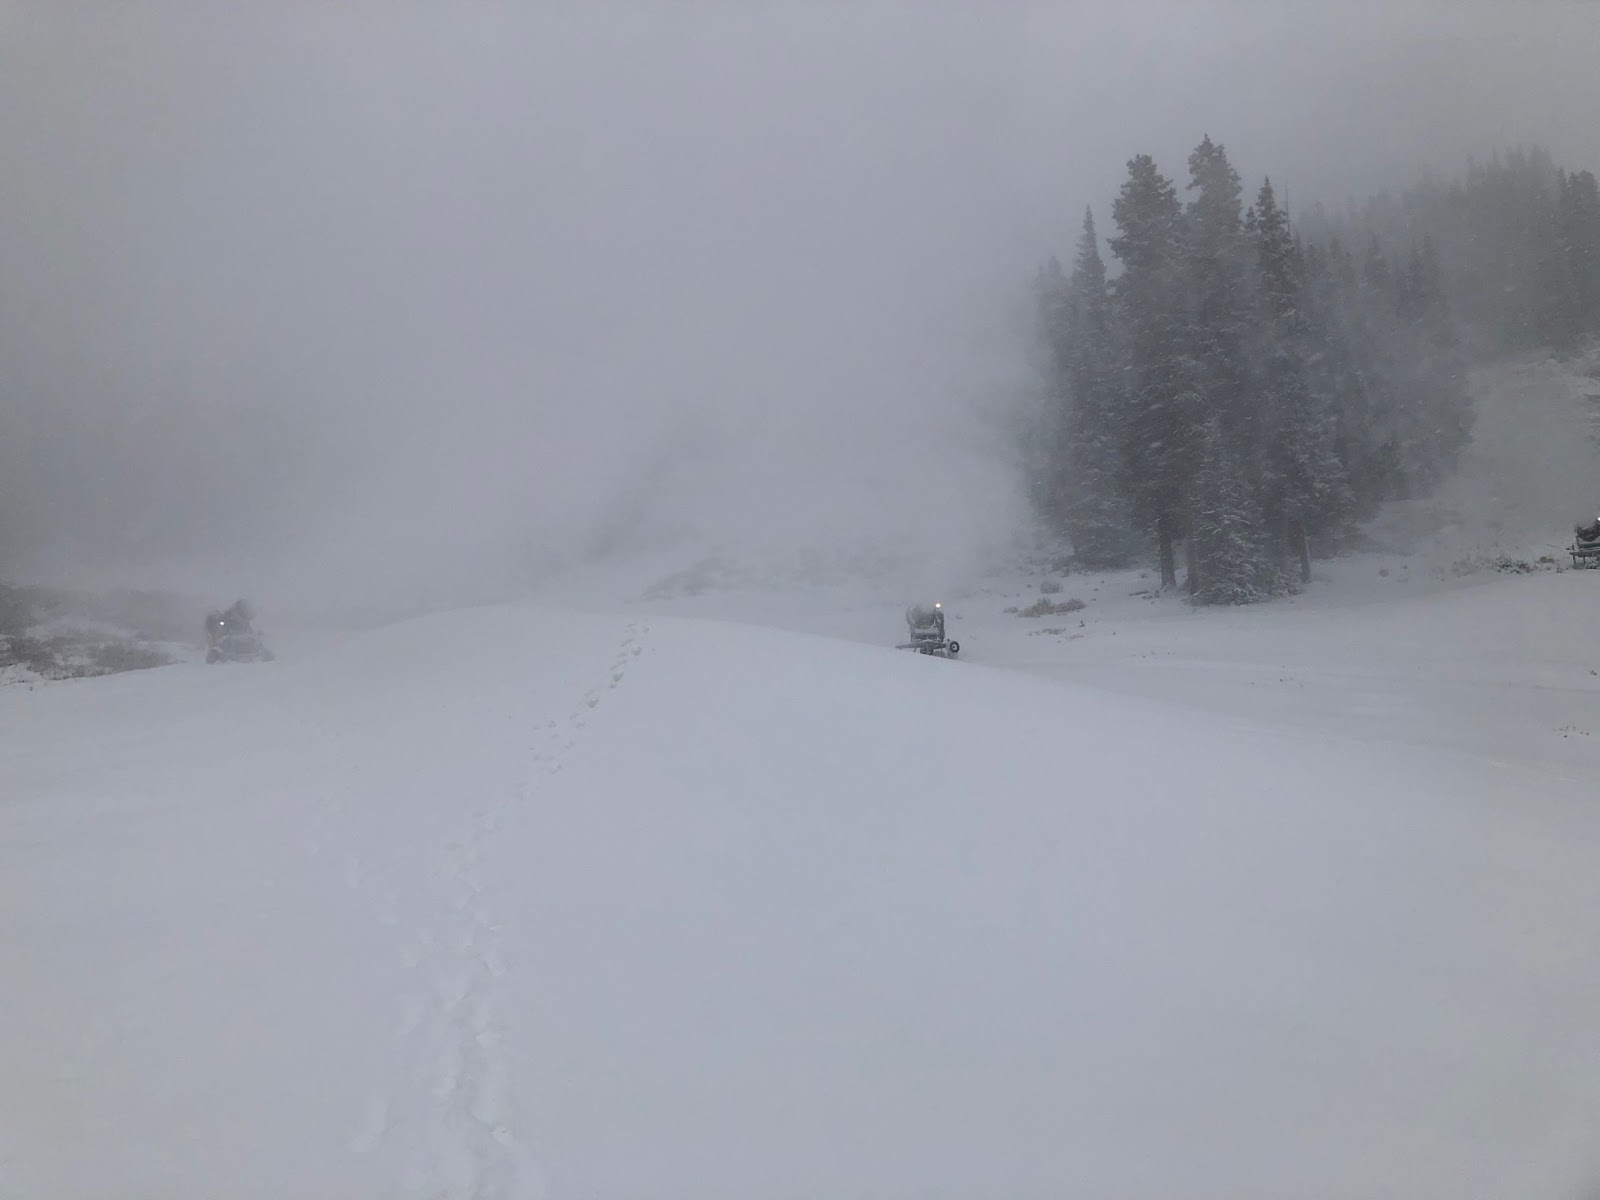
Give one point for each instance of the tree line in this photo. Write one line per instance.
(1519, 242)
(1237, 396)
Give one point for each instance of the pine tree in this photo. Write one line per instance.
(1378, 345)
(1098, 517)
(1218, 319)
(1552, 284)
(1217, 265)
(1049, 447)
(1328, 295)
(1160, 431)
(1250, 394)
(1579, 209)
(1227, 524)
(1303, 483)
(1517, 272)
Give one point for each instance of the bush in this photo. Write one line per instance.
(116, 656)
(69, 658)
(1050, 587)
(29, 652)
(1049, 608)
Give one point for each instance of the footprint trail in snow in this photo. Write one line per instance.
(459, 1129)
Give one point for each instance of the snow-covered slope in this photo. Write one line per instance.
(515, 901)
(1530, 474)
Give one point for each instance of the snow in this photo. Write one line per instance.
(1529, 475)
(679, 881)
(717, 895)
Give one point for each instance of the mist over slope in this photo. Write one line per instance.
(379, 306)
(1531, 472)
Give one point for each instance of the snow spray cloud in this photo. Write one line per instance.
(395, 299)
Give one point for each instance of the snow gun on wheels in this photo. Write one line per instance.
(1585, 546)
(927, 632)
(231, 637)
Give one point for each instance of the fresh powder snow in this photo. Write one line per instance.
(719, 895)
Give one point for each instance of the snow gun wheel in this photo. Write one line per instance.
(955, 648)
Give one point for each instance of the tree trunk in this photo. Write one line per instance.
(1303, 542)
(1169, 567)
(1191, 549)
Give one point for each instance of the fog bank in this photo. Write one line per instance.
(396, 300)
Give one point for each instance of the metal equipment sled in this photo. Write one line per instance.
(1585, 548)
(238, 647)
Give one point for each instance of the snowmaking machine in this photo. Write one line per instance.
(1585, 548)
(927, 632)
(231, 636)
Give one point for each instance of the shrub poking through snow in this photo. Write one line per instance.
(1050, 608)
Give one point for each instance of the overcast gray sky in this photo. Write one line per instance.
(365, 295)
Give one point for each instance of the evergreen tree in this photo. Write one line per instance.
(1251, 395)
(1050, 446)
(1218, 320)
(1227, 524)
(1515, 269)
(1303, 484)
(1216, 261)
(1328, 295)
(1160, 399)
(1579, 217)
(1098, 517)
(1378, 345)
